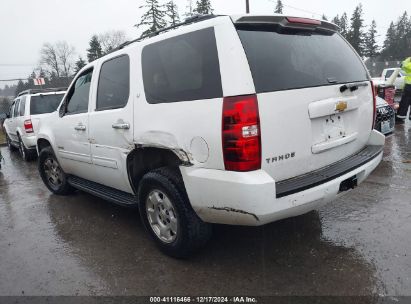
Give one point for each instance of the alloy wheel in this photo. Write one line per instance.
(53, 173)
(162, 216)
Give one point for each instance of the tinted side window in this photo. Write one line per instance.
(16, 108)
(114, 83)
(22, 105)
(12, 109)
(78, 98)
(389, 73)
(182, 68)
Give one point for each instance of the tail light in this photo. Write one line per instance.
(374, 96)
(28, 126)
(241, 133)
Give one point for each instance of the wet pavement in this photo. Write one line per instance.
(82, 245)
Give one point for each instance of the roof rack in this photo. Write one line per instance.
(189, 20)
(37, 91)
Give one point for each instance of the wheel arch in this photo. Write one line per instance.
(145, 159)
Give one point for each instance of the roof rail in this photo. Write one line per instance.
(189, 20)
(37, 91)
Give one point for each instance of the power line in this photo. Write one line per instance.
(17, 79)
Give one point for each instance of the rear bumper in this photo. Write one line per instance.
(251, 198)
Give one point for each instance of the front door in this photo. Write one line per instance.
(72, 129)
(111, 124)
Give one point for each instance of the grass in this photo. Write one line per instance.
(2, 137)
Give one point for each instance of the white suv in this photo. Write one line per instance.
(25, 114)
(239, 120)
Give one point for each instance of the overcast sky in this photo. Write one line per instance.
(25, 24)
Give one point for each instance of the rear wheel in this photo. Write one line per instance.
(168, 216)
(52, 174)
(9, 144)
(25, 153)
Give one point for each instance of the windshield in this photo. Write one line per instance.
(42, 104)
(290, 59)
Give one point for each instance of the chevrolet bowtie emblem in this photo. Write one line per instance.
(341, 106)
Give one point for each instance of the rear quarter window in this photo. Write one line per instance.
(42, 104)
(182, 68)
(288, 59)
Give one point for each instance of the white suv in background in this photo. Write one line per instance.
(25, 114)
(240, 120)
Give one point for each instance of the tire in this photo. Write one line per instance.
(9, 144)
(162, 192)
(52, 174)
(25, 153)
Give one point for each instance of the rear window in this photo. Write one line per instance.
(182, 68)
(293, 59)
(43, 104)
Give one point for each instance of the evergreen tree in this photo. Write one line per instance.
(356, 33)
(153, 18)
(324, 17)
(371, 47)
(94, 51)
(336, 21)
(279, 7)
(402, 49)
(80, 63)
(344, 25)
(189, 9)
(20, 87)
(203, 7)
(172, 13)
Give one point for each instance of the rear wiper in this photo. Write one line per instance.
(353, 86)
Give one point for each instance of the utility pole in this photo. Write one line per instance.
(247, 6)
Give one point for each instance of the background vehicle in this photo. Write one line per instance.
(399, 80)
(385, 118)
(25, 114)
(236, 120)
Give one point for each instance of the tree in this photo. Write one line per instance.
(57, 58)
(189, 9)
(356, 33)
(65, 54)
(344, 25)
(4, 105)
(172, 13)
(371, 47)
(49, 58)
(111, 40)
(80, 63)
(324, 17)
(153, 18)
(279, 7)
(94, 51)
(20, 87)
(203, 7)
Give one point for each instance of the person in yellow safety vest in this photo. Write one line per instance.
(406, 95)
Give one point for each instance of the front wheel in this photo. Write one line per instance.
(52, 174)
(168, 216)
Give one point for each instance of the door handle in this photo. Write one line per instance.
(80, 128)
(121, 126)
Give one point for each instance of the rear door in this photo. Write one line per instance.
(111, 124)
(314, 95)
